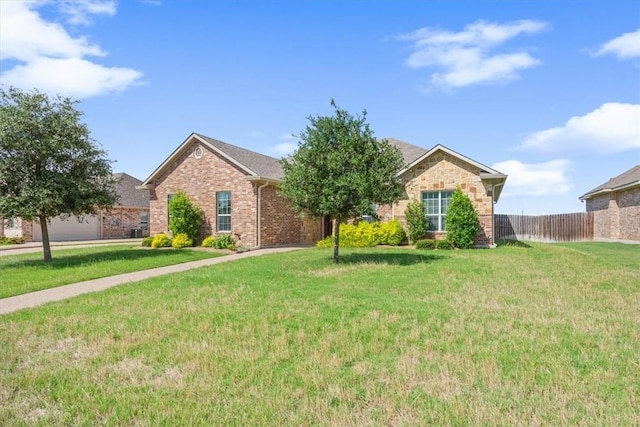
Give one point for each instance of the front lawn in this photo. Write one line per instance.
(538, 335)
(25, 273)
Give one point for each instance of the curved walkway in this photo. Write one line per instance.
(33, 299)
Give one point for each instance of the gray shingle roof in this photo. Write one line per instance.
(625, 179)
(409, 152)
(125, 188)
(260, 164)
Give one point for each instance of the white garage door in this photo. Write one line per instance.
(69, 229)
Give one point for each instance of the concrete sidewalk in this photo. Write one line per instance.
(33, 299)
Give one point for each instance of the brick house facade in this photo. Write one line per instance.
(128, 218)
(207, 170)
(616, 207)
(438, 172)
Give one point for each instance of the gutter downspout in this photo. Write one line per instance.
(493, 214)
(259, 214)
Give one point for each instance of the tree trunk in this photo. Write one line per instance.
(46, 248)
(336, 240)
(1, 227)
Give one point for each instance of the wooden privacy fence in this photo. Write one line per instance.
(569, 227)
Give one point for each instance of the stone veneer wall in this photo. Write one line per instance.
(616, 215)
(443, 172)
(118, 223)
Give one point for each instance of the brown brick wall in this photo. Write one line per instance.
(118, 223)
(443, 172)
(616, 215)
(281, 225)
(629, 204)
(200, 178)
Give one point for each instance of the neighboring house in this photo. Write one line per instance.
(236, 190)
(129, 217)
(616, 207)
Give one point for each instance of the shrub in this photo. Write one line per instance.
(224, 241)
(208, 242)
(146, 242)
(364, 235)
(417, 223)
(161, 241)
(181, 241)
(16, 240)
(392, 232)
(444, 244)
(425, 244)
(184, 216)
(462, 221)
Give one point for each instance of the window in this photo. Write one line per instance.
(223, 218)
(435, 208)
(144, 220)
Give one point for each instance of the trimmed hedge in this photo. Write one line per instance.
(364, 235)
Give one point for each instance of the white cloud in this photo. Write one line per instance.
(79, 12)
(468, 57)
(624, 46)
(535, 179)
(287, 147)
(43, 49)
(613, 127)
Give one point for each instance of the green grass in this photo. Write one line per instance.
(537, 335)
(25, 273)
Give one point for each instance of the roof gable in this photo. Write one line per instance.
(627, 179)
(128, 195)
(252, 163)
(484, 170)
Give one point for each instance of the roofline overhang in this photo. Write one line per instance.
(622, 187)
(145, 187)
(483, 168)
(265, 179)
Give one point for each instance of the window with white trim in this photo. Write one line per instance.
(223, 212)
(435, 208)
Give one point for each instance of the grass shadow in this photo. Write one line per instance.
(393, 258)
(512, 243)
(60, 261)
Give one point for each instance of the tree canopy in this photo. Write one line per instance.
(49, 163)
(340, 169)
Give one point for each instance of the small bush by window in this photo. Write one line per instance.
(425, 244)
(224, 241)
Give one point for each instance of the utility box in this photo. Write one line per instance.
(136, 233)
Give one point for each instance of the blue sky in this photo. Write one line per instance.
(547, 92)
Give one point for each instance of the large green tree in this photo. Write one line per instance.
(49, 163)
(340, 170)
